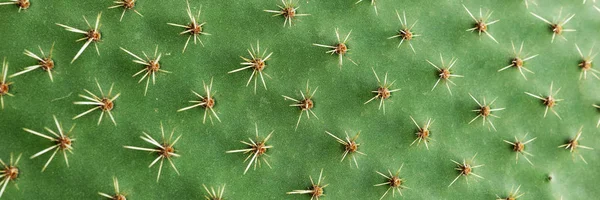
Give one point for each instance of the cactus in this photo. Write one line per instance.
(530, 76)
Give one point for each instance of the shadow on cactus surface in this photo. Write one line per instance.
(339, 104)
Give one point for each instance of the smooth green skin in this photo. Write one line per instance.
(385, 139)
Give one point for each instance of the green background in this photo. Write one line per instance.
(385, 139)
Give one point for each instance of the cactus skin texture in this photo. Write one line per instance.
(98, 153)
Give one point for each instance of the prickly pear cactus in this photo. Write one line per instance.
(375, 99)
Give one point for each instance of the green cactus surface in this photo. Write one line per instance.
(203, 129)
